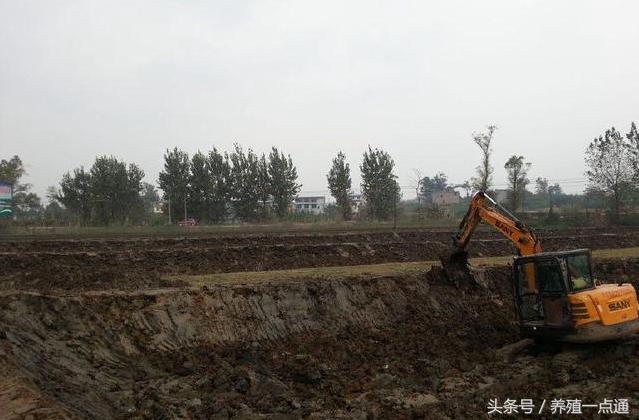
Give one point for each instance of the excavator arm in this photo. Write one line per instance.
(484, 208)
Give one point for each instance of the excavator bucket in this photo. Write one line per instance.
(457, 268)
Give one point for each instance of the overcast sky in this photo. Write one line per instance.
(132, 78)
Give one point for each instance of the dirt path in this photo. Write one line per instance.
(621, 257)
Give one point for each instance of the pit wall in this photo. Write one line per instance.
(106, 354)
(93, 352)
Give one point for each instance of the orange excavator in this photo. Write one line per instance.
(556, 295)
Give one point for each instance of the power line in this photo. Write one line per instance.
(561, 181)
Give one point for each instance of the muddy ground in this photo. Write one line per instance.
(132, 263)
(120, 342)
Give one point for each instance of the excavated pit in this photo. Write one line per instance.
(388, 347)
(87, 332)
(301, 347)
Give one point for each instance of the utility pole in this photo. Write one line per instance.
(418, 176)
(185, 207)
(395, 211)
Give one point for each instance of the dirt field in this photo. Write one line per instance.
(118, 329)
(133, 263)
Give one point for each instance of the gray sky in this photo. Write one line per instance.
(131, 78)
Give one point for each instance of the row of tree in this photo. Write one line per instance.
(109, 192)
(211, 186)
(612, 169)
(516, 170)
(379, 186)
(612, 162)
(240, 184)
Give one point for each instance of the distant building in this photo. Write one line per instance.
(445, 198)
(357, 201)
(315, 205)
(500, 196)
(158, 206)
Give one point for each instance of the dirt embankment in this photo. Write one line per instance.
(292, 348)
(389, 347)
(140, 263)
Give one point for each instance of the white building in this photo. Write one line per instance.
(501, 196)
(158, 206)
(444, 198)
(357, 200)
(313, 205)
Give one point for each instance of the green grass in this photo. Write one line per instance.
(616, 253)
(37, 232)
(340, 272)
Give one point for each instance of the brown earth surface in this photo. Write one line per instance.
(131, 263)
(87, 336)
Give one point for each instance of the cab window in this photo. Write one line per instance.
(528, 297)
(579, 272)
(526, 273)
(550, 276)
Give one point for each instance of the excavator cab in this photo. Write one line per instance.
(542, 285)
(557, 298)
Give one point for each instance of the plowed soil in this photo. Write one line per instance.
(131, 263)
(96, 332)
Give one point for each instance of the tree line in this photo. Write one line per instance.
(612, 162)
(207, 186)
(381, 192)
(516, 172)
(241, 185)
(612, 171)
(213, 186)
(109, 192)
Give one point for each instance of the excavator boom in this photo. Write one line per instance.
(482, 207)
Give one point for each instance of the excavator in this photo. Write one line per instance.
(556, 296)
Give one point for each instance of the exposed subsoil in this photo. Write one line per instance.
(107, 340)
